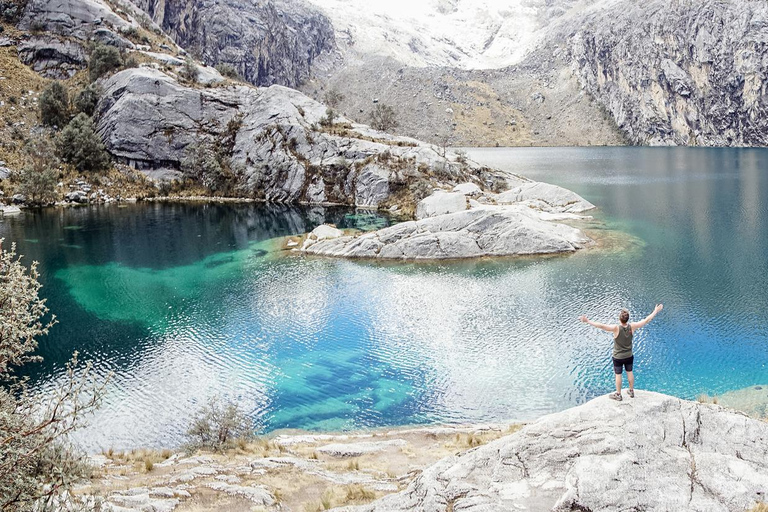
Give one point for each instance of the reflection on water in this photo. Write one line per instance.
(184, 302)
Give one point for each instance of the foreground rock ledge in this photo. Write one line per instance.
(652, 453)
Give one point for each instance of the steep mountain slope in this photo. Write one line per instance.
(584, 72)
(267, 42)
(684, 72)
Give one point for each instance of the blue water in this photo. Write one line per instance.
(186, 302)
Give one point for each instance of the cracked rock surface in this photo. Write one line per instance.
(654, 452)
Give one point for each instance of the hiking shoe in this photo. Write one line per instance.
(615, 396)
(631, 393)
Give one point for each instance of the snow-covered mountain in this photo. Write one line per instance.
(467, 34)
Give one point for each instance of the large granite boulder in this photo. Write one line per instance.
(485, 231)
(274, 139)
(654, 452)
(52, 57)
(439, 203)
(546, 197)
(72, 18)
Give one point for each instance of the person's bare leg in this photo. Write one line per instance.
(631, 379)
(618, 384)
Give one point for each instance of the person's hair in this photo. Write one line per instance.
(624, 316)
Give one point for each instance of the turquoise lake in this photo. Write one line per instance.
(184, 302)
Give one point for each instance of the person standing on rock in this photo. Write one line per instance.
(622, 346)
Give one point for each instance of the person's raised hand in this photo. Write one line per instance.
(659, 307)
(583, 318)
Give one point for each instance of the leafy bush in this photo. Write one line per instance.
(383, 117)
(208, 164)
(54, 105)
(103, 60)
(39, 176)
(189, 71)
(79, 145)
(87, 99)
(333, 98)
(37, 465)
(218, 427)
(228, 70)
(329, 117)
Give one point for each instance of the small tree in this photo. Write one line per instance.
(383, 117)
(54, 105)
(333, 98)
(218, 426)
(189, 71)
(79, 145)
(329, 117)
(87, 99)
(201, 163)
(228, 70)
(37, 464)
(103, 60)
(39, 176)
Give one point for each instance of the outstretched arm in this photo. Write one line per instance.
(605, 327)
(644, 321)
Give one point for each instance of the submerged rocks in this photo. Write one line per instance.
(654, 452)
(484, 231)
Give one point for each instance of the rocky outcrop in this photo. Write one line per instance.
(52, 57)
(481, 231)
(275, 42)
(688, 72)
(274, 141)
(73, 18)
(654, 452)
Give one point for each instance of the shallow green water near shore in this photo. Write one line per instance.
(187, 301)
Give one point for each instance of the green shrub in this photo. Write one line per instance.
(189, 71)
(208, 164)
(103, 60)
(87, 99)
(37, 466)
(218, 427)
(79, 145)
(228, 71)
(54, 105)
(329, 117)
(38, 178)
(333, 98)
(383, 117)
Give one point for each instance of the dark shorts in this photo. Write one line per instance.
(619, 363)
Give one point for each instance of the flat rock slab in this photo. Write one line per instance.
(484, 231)
(654, 452)
(357, 449)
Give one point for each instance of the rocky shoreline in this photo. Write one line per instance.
(654, 452)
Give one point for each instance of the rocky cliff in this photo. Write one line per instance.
(675, 73)
(275, 140)
(686, 72)
(267, 42)
(653, 452)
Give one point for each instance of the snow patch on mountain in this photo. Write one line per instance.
(467, 34)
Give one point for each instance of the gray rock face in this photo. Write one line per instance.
(546, 197)
(654, 452)
(148, 120)
(440, 203)
(52, 57)
(75, 18)
(268, 43)
(484, 231)
(690, 73)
